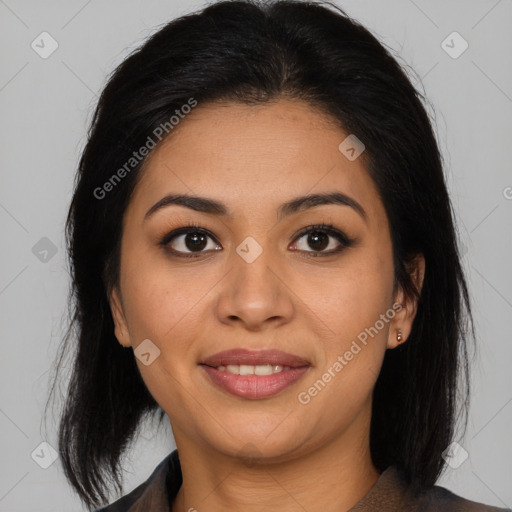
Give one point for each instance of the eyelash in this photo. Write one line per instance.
(329, 229)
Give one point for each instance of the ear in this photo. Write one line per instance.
(121, 326)
(403, 319)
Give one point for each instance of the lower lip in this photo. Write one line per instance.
(255, 386)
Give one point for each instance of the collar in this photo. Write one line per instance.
(391, 492)
(388, 494)
(160, 489)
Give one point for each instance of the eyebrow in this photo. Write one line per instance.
(298, 204)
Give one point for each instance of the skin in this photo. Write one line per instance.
(312, 456)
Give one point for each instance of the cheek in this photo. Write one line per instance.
(162, 306)
(354, 295)
(159, 298)
(356, 307)
(354, 302)
(165, 312)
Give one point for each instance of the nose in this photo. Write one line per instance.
(255, 294)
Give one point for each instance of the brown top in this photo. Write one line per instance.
(390, 493)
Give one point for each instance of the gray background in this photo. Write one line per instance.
(45, 107)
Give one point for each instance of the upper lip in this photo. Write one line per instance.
(241, 356)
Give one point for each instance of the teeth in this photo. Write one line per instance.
(246, 369)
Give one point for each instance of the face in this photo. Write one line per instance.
(247, 274)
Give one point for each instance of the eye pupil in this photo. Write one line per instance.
(318, 240)
(195, 241)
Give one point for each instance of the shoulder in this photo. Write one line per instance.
(440, 499)
(153, 491)
(394, 492)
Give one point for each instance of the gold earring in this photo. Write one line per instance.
(399, 336)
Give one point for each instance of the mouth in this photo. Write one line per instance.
(245, 357)
(254, 374)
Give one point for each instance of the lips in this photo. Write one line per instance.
(254, 358)
(254, 375)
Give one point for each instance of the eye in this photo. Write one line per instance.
(191, 238)
(318, 238)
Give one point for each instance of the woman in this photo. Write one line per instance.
(261, 216)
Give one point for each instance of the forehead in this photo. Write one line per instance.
(248, 156)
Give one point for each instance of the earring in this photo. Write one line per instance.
(399, 336)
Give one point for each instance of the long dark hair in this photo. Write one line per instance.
(253, 52)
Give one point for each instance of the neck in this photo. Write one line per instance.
(330, 478)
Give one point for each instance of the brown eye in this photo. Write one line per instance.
(187, 241)
(317, 240)
(322, 237)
